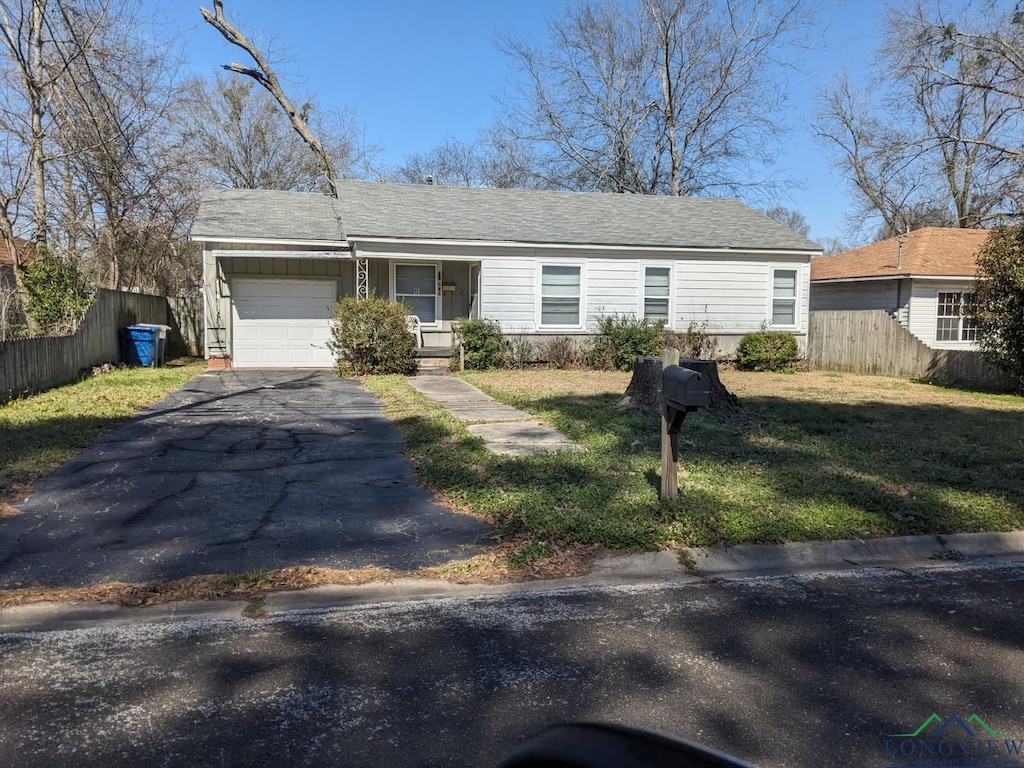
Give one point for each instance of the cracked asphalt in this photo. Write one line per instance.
(235, 472)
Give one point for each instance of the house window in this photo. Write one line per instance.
(956, 317)
(559, 295)
(416, 285)
(784, 297)
(657, 288)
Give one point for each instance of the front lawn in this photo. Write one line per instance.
(40, 432)
(812, 456)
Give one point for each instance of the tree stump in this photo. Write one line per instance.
(644, 390)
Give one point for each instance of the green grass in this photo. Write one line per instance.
(811, 457)
(40, 432)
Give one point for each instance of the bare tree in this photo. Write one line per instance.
(937, 139)
(452, 163)
(788, 217)
(21, 29)
(242, 137)
(263, 74)
(90, 145)
(657, 96)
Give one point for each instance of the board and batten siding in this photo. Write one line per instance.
(732, 296)
(217, 290)
(924, 308)
(862, 294)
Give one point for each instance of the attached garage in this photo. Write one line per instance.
(282, 323)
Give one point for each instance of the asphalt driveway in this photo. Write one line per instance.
(237, 471)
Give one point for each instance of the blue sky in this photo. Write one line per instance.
(415, 71)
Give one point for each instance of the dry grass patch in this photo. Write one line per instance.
(517, 561)
(510, 561)
(546, 382)
(211, 587)
(855, 389)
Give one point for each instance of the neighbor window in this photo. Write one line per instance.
(956, 317)
(657, 282)
(784, 297)
(559, 295)
(416, 285)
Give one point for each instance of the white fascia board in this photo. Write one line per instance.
(876, 278)
(873, 278)
(947, 278)
(257, 241)
(578, 247)
(258, 254)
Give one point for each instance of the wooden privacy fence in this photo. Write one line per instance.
(871, 341)
(185, 316)
(31, 365)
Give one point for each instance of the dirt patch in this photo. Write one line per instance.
(6, 510)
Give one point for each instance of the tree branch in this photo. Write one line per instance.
(264, 75)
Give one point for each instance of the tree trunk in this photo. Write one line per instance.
(721, 398)
(644, 390)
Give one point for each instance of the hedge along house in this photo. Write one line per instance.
(924, 279)
(539, 263)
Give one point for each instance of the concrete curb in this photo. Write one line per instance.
(757, 559)
(649, 568)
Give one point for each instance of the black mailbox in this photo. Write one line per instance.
(682, 390)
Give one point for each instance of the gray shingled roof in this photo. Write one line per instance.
(263, 214)
(419, 211)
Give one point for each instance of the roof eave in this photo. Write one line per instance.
(901, 276)
(270, 241)
(380, 239)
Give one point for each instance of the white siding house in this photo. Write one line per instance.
(537, 263)
(925, 279)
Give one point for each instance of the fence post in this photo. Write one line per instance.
(669, 464)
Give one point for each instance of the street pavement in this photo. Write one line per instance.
(814, 669)
(236, 472)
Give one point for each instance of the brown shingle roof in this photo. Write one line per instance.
(23, 246)
(926, 251)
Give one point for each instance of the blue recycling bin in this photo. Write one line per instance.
(161, 343)
(142, 345)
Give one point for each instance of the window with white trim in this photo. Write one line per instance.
(560, 294)
(783, 297)
(416, 285)
(657, 292)
(956, 319)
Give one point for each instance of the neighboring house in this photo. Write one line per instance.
(7, 280)
(539, 263)
(925, 279)
(11, 310)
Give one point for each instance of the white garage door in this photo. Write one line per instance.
(282, 323)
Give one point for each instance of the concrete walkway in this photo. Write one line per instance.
(505, 430)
